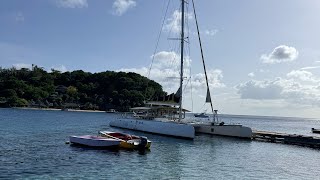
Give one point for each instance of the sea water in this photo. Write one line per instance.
(32, 146)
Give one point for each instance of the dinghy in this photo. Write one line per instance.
(315, 130)
(128, 141)
(94, 141)
(201, 115)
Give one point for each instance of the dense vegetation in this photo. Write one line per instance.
(78, 89)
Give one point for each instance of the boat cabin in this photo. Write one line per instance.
(154, 110)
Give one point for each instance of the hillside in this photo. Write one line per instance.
(77, 89)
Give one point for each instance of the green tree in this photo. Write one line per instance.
(119, 90)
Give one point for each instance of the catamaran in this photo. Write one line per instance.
(158, 117)
(166, 118)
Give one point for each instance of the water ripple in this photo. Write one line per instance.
(33, 147)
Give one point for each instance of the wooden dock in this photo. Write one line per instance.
(294, 139)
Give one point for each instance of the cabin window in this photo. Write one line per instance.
(212, 129)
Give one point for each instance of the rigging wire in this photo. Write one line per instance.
(170, 32)
(173, 48)
(156, 47)
(158, 39)
(204, 66)
(203, 107)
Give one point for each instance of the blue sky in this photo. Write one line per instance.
(263, 57)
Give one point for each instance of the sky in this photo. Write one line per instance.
(262, 57)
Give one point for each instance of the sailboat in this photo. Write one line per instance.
(163, 118)
(166, 117)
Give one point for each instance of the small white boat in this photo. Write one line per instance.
(111, 111)
(94, 141)
(315, 130)
(201, 115)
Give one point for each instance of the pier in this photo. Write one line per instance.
(294, 139)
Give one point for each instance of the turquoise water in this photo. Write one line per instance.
(33, 147)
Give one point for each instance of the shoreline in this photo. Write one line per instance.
(55, 109)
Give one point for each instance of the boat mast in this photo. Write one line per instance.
(181, 56)
(204, 65)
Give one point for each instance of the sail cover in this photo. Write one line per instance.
(208, 98)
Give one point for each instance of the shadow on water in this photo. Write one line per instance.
(225, 138)
(143, 151)
(114, 149)
(79, 148)
(216, 142)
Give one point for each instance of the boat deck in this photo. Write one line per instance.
(294, 139)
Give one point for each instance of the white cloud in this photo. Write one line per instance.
(60, 68)
(207, 32)
(260, 90)
(251, 74)
(299, 87)
(122, 6)
(173, 24)
(166, 71)
(310, 67)
(169, 59)
(72, 3)
(302, 75)
(211, 32)
(214, 79)
(19, 17)
(280, 54)
(143, 71)
(22, 65)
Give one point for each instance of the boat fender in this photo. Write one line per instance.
(221, 124)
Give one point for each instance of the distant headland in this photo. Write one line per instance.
(37, 88)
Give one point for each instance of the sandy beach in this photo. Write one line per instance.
(54, 109)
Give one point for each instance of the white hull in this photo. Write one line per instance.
(94, 141)
(154, 126)
(224, 130)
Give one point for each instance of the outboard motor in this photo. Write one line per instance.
(143, 143)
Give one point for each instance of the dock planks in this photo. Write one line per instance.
(294, 139)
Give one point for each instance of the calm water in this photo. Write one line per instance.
(32, 146)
